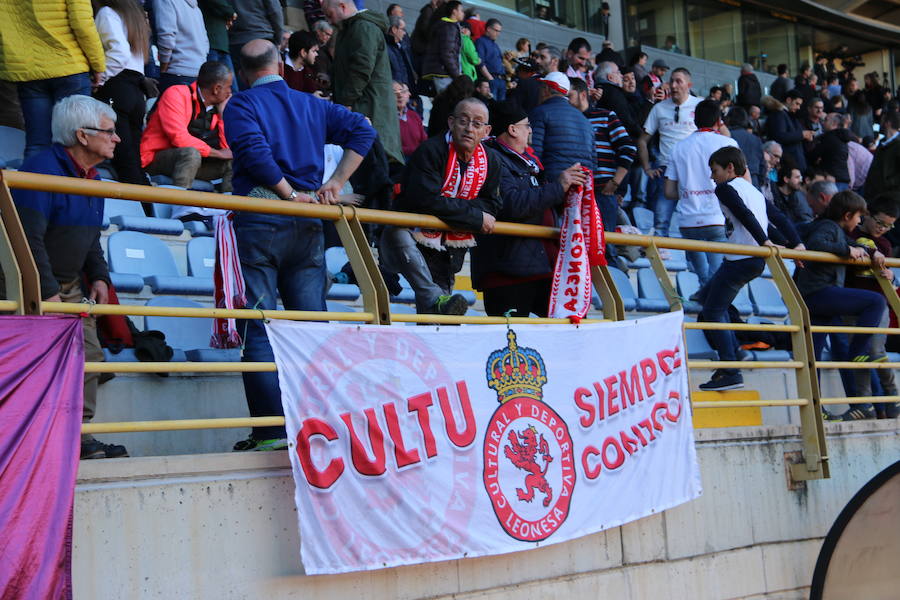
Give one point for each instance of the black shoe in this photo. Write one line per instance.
(860, 412)
(450, 305)
(723, 379)
(892, 411)
(97, 449)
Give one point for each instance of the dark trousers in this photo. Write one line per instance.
(37, 99)
(287, 255)
(525, 299)
(718, 295)
(126, 96)
(167, 80)
(444, 265)
(833, 301)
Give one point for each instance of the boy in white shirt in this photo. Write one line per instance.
(745, 208)
(688, 182)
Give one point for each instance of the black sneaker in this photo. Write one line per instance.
(252, 445)
(96, 449)
(892, 411)
(450, 305)
(723, 379)
(860, 412)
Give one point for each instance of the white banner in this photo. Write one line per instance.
(418, 444)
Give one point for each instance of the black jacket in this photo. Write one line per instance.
(423, 178)
(442, 55)
(884, 172)
(527, 198)
(780, 87)
(749, 90)
(824, 235)
(787, 130)
(614, 99)
(830, 153)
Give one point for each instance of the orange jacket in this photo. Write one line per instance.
(168, 125)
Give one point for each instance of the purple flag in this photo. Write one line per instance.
(41, 380)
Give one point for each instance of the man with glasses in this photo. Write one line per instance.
(515, 272)
(673, 119)
(63, 229)
(492, 58)
(456, 179)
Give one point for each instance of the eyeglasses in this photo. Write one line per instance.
(464, 122)
(109, 132)
(497, 29)
(882, 224)
(528, 125)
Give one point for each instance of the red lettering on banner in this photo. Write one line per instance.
(601, 409)
(619, 460)
(460, 440)
(628, 443)
(419, 404)
(631, 393)
(571, 305)
(648, 372)
(358, 454)
(577, 251)
(611, 394)
(326, 477)
(573, 280)
(636, 430)
(580, 394)
(664, 356)
(403, 456)
(646, 425)
(590, 472)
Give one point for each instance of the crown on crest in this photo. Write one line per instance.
(515, 371)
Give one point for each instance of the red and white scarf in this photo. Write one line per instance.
(457, 185)
(581, 246)
(229, 283)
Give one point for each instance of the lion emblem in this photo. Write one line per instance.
(523, 452)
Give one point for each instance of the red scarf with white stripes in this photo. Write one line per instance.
(229, 283)
(457, 185)
(582, 245)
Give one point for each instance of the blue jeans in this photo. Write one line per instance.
(828, 303)
(37, 99)
(222, 57)
(280, 253)
(718, 295)
(702, 263)
(609, 212)
(656, 199)
(498, 87)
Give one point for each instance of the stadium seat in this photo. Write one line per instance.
(146, 256)
(643, 219)
(201, 257)
(333, 306)
(335, 259)
(198, 185)
(623, 284)
(640, 263)
(651, 297)
(677, 261)
(129, 216)
(343, 291)
(406, 295)
(742, 302)
(767, 301)
(687, 285)
(126, 282)
(12, 146)
(189, 334)
(698, 347)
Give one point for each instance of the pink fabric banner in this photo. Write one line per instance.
(41, 380)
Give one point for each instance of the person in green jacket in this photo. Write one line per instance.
(469, 61)
(361, 72)
(218, 15)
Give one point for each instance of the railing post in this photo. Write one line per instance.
(613, 307)
(23, 283)
(812, 428)
(659, 269)
(365, 268)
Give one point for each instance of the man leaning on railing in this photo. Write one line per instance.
(63, 229)
(277, 135)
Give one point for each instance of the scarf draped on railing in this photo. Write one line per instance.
(229, 283)
(457, 185)
(581, 246)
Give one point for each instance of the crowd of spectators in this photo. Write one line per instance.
(240, 100)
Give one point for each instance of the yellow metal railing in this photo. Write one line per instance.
(23, 295)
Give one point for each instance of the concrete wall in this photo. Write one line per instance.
(224, 526)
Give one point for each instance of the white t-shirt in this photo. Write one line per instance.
(662, 119)
(754, 200)
(689, 166)
(114, 37)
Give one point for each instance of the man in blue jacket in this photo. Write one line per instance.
(492, 58)
(561, 135)
(784, 126)
(277, 136)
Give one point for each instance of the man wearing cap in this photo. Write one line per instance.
(561, 136)
(673, 119)
(526, 94)
(652, 87)
(515, 272)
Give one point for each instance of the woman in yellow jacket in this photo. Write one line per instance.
(50, 49)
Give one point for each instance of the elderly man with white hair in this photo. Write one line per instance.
(63, 229)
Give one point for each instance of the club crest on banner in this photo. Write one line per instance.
(529, 470)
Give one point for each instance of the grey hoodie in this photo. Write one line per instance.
(257, 19)
(181, 36)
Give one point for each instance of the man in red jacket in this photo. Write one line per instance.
(185, 136)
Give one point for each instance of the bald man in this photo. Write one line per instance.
(277, 136)
(459, 182)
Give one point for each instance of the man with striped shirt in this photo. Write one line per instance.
(615, 151)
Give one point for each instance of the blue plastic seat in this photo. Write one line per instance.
(343, 291)
(333, 306)
(640, 263)
(12, 146)
(623, 284)
(767, 301)
(687, 285)
(742, 302)
(403, 309)
(676, 262)
(335, 259)
(129, 216)
(148, 257)
(127, 282)
(406, 295)
(698, 347)
(201, 257)
(198, 185)
(188, 334)
(651, 297)
(643, 219)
